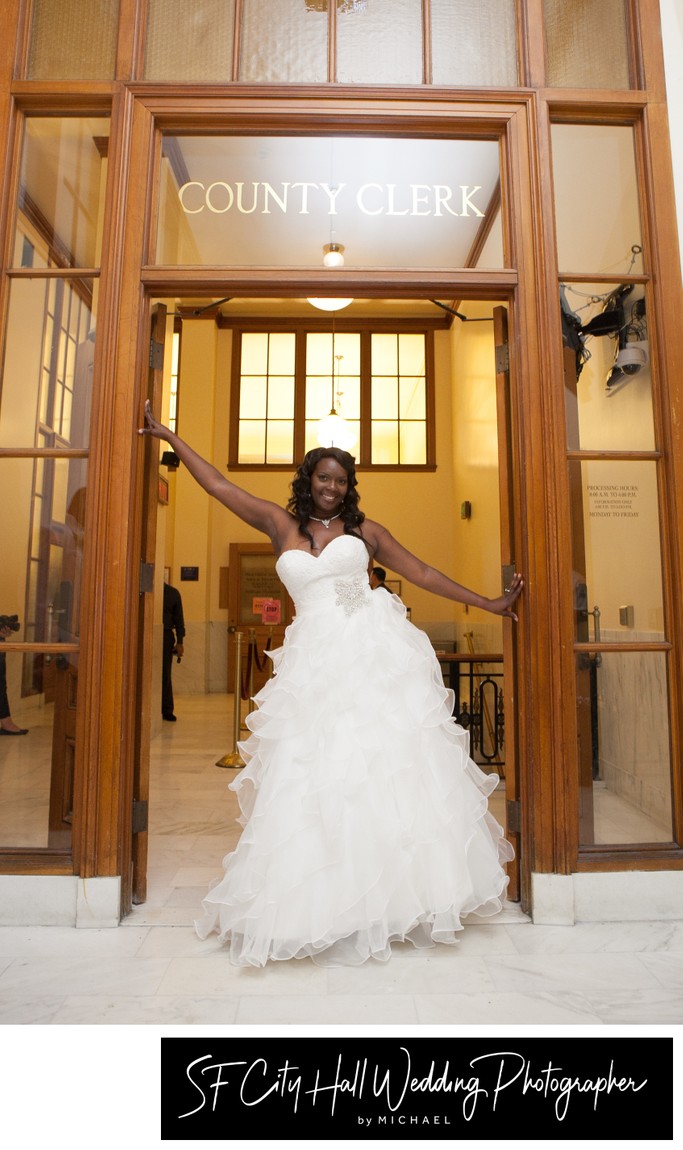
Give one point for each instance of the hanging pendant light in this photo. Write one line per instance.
(333, 431)
(333, 257)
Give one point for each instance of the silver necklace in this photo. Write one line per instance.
(325, 522)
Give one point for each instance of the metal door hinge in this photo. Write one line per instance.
(156, 355)
(146, 577)
(508, 571)
(513, 817)
(502, 358)
(139, 816)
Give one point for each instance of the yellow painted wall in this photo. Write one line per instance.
(475, 455)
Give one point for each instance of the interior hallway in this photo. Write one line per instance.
(154, 969)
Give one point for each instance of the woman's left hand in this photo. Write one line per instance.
(503, 604)
(152, 425)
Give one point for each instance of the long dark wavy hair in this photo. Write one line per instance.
(301, 503)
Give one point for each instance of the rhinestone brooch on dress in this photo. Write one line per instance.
(350, 594)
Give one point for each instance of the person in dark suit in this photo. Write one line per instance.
(8, 624)
(174, 635)
(377, 579)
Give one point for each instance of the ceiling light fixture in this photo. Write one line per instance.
(329, 304)
(333, 255)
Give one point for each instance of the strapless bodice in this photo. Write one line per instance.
(336, 579)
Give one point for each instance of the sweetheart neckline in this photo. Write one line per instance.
(316, 558)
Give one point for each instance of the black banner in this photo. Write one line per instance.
(537, 1089)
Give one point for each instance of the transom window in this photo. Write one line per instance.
(287, 382)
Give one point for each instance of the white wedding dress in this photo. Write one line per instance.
(365, 820)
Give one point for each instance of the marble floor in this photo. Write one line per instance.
(154, 970)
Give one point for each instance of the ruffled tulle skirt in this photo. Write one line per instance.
(365, 820)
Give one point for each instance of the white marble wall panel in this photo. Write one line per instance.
(634, 731)
(217, 644)
(203, 669)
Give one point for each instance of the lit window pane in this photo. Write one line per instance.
(411, 354)
(281, 352)
(412, 398)
(603, 158)
(349, 397)
(614, 518)
(284, 42)
(32, 382)
(253, 398)
(319, 353)
(61, 200)
(255, 353)
(190, 42)
(30, 815)
(280, 440)
(65, 429)
(384, 442)
(624, 748)
(281, 398)
(71, 40)
(252, 441)
(384, 398)
(384, 355)
(318, 397)
(44, 523)
(576, 36)
(365, 25)
(311, 437)
(474, 43)
(608, 408)
(413, 443)
(347, 345)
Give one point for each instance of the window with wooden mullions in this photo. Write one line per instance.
(367, 392)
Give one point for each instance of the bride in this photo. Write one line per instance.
(365, 820)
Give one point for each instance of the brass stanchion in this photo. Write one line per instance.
(233, 758)
(251, 705)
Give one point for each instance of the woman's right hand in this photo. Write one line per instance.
(152, 426)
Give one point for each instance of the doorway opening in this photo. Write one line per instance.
(200, 547)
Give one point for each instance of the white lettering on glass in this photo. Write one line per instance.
(303, 197)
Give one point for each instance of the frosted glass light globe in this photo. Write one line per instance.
(333, 431)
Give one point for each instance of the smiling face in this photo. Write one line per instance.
(329, 484)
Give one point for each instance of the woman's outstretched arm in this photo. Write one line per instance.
(259, 513)
(392, 554)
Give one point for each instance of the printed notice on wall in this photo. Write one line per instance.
(613, 500)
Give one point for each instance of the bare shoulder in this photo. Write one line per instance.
(374, 533)
(286, 533)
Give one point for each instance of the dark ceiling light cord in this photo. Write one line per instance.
(464, 318)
